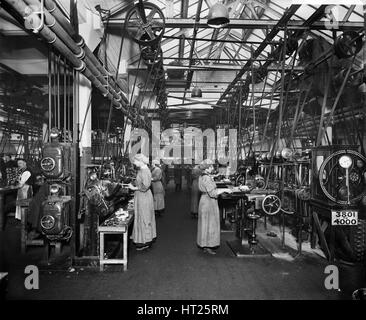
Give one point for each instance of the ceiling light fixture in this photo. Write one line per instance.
(218, 16)
(196, 93)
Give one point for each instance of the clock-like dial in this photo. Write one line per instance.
(345, 161)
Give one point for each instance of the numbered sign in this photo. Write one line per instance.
(344, 218)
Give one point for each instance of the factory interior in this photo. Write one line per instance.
(182, 150)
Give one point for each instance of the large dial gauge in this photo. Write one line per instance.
(345, 161)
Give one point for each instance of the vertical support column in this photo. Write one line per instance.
(85, 126)
(85, 122)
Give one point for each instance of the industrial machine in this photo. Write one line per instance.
(103, 193)
(57, 167)
(338, 198)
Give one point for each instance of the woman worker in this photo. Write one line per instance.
(144, 227)
(158, 188)
(25, 185)
(195, 192)
(208, 231)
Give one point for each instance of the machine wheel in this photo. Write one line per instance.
(143, 25)
(240, 180)
(150, 55)
(348, 44)
(271, 204)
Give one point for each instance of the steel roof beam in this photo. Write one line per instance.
(281, 23)
(177, 23)
(184, 15)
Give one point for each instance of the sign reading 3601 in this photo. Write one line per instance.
(344, 218)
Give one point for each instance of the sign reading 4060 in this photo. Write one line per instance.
(344, 218)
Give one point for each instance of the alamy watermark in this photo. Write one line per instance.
(186, 147)
(31, 281)
(331, 281)
(332, 11)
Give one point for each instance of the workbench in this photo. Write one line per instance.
(113, 225)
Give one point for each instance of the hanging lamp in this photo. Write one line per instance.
(218, 16)
(196, 93)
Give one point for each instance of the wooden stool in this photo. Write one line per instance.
(122, 229)
(24, 241)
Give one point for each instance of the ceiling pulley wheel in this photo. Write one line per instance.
(348, 44)
(291, 45)
(151, 55)
(157, 72)
(259, 74)
(145, 23)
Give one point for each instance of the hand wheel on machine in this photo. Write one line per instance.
(341, 177)
(271, 204)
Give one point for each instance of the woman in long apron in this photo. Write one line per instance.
(158, 188)
(25, 190)
(208, 231)
(195, 192)
(144, 227)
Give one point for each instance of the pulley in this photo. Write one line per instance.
(291, 45)
(157, 72)
(259, 74)
(151, 55)
(240, 180)
(348, 44)
(278, 154)
(287, 153)
(145, 23)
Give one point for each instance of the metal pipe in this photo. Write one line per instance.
(57, 29)
(77, 64)
(61, 19)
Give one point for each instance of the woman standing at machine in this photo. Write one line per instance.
(208, 231)
(144, 227)
(25, 185)
(158, 188)
(195, 192)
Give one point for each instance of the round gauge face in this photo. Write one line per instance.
(48, 164)
(345, 162)
(47, 222)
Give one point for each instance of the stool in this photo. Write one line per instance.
(253, 217)
(103, 230)
(24, 241)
